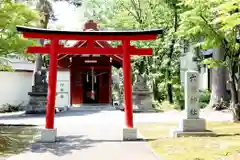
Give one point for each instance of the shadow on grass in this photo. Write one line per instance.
(15, 139)
(228, 135)
(150, 139)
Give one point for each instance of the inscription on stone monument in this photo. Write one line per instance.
(192, 94)
(191, 125)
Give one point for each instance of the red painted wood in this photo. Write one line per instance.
(127, 83)
(77, 90)
(71, 78)
(97, 68)
(99, 44)
(79, 43)
(110, 85)
(81, 89)
(81, 37)
(77, 86)
(78, 66)
(52, 82)
(90, 44)
(100, 89)
(104, 87)
(104, 44)
(101, 51)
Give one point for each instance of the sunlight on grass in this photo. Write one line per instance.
(14, 139)
(225, 146)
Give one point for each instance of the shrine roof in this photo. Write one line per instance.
(92, 32)
(116, 59)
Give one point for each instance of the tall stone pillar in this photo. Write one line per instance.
(191, 124)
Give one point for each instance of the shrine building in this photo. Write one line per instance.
(86, 79)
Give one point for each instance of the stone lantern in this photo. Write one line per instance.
(142, 95)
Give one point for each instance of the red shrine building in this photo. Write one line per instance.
(83, 78)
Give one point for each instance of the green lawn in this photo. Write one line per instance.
(225, 146)
(14, 139)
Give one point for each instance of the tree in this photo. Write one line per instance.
(45, 9)
(216, 21)
(133, 14)
(12, 14)
(173, 5)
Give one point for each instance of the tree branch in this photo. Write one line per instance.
(140, 10)
(136, 10)
(223, 40)
(129, 11)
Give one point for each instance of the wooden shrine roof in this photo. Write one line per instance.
(91, 32)
(117, 59)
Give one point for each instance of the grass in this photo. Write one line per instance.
(14, 139)
(225, 146)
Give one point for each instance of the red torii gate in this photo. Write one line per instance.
(54, 48)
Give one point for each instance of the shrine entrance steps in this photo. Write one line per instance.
(92, 107)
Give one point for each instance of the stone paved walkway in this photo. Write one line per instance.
(87, 137)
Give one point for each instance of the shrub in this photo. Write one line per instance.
(165, 105)
(204, 98)
(10, 108)
(180, 98)
(6, 68)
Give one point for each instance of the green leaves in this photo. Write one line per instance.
(12, 14)
(146, 14)
(217, 22)
(6, 68)
(212, 63)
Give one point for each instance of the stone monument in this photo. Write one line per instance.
(141, 95)
(192, 125)
(38, 96)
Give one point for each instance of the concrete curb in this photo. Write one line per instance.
(149, 147)
(12, 114)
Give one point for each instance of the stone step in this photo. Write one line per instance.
(93, 107)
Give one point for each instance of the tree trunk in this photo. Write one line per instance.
(43, 24)
(218, 81)
(238, 82)
(171, 52)
(235, 106)
(38, 66)
(168, 75)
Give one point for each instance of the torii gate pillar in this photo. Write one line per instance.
(50, 133)
(127, 82)
(129, 133)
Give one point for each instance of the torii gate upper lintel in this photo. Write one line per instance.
(54, 48)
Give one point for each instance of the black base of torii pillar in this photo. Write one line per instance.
(126, 50)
